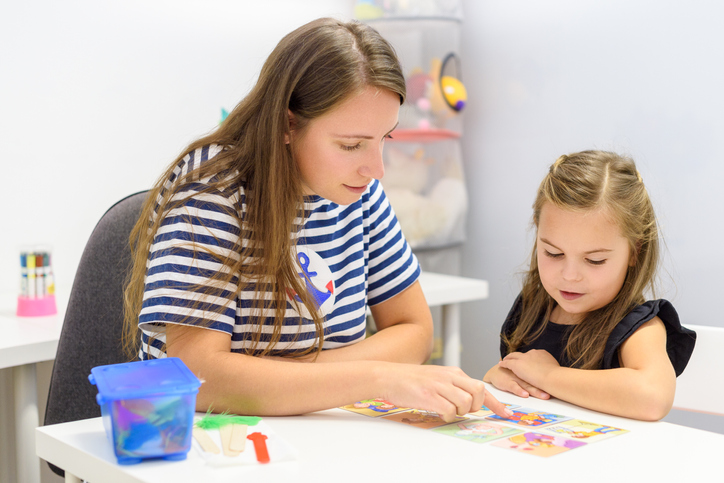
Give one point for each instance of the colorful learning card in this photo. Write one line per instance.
(374, 407)
(538, 444)
(584, 431)
(485, 411)
(421, 419)
(477, 430)
(531, 417)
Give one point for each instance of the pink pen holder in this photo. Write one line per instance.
(36, 307)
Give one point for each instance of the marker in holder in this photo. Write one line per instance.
(37, 287)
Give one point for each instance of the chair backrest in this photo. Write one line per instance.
(701, 386)
(91, 334)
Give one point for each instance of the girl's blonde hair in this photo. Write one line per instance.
(310, 72)
(592, 180)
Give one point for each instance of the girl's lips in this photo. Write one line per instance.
(570, 295)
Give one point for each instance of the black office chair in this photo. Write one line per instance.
(92, 327)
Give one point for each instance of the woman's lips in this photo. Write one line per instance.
(356, 189)
(570, 295)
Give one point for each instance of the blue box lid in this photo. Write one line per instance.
(132, 380)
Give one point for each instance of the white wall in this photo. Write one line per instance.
(642, 77)
(96, 98)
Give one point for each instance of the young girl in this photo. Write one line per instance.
(581, 329)
(261, 247)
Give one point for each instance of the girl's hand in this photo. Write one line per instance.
(506, 380)
(532, 366)
(448, 391)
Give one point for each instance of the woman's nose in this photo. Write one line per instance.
(373, 166)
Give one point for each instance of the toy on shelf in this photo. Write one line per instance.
(423, 162)
(428, 196)
(433, 98)
(375, 9)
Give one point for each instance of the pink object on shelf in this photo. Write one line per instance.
(422, 135)
(36, 307)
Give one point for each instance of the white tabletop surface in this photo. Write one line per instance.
(27, 340)
(338, 445)
(441, 289)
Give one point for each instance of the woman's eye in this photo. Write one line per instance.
(596, 262)
(351, 148)
(553, 255)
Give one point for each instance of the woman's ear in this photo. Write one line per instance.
(292, 125)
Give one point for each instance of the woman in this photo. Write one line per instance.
(269, 238)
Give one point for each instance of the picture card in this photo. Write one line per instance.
(584, 430)
(477, 430)
(486, 411)
(373, 407)
(531, 417)
(421, 419)
(538, 444)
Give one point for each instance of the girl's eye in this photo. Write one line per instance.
(351, 148)
(553, 255)
(596, 262)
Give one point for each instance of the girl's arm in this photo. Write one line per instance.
(271, 387)
(642, 388)
(506, 380)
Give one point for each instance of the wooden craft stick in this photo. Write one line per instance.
(205, 441)
(226, 440)
(238, 437)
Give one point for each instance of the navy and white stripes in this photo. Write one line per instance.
(359, 247)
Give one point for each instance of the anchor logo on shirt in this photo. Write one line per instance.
(314, 278)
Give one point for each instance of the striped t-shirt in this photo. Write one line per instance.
(353, 255)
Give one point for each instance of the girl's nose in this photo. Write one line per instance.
(571, 271)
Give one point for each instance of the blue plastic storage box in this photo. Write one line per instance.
(147, 407)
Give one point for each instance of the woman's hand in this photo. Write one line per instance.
(506, 380)
(448, 391)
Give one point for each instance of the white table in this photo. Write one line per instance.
(449, 291)
(337, 445)
(25, 341)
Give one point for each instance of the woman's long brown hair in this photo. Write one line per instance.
(585, 181)
(310, 72)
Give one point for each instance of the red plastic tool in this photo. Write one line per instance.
(259, 440)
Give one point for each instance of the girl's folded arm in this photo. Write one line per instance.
(642, 388)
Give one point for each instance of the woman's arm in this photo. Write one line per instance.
(642, 388)
(272, 387)
(404, 332)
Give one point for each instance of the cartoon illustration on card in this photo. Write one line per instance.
(421, 419)
(538, 444)
(477, 430)
(374, 407)
(486, 411)
(531, 417)
(585, 430)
